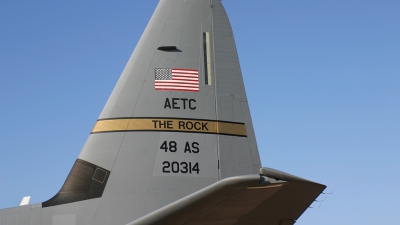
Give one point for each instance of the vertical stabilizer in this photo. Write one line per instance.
(177, 121)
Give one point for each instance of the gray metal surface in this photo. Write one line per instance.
(249, 199)
(159, 146)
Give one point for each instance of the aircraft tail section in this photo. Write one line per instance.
(176, 122)
(179, 117)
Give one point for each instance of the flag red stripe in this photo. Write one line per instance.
(184, 69)
(185, 78)
(181, 85)
(176, 88)
(184, 75)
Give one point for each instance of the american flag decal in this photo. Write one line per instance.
(175, 79)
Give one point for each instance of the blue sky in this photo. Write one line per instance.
(322, 79)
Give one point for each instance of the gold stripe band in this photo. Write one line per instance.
(170, 124)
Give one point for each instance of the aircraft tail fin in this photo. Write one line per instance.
(176, 124)
(178, 118)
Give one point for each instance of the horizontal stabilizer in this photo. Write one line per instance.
(248, 199)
